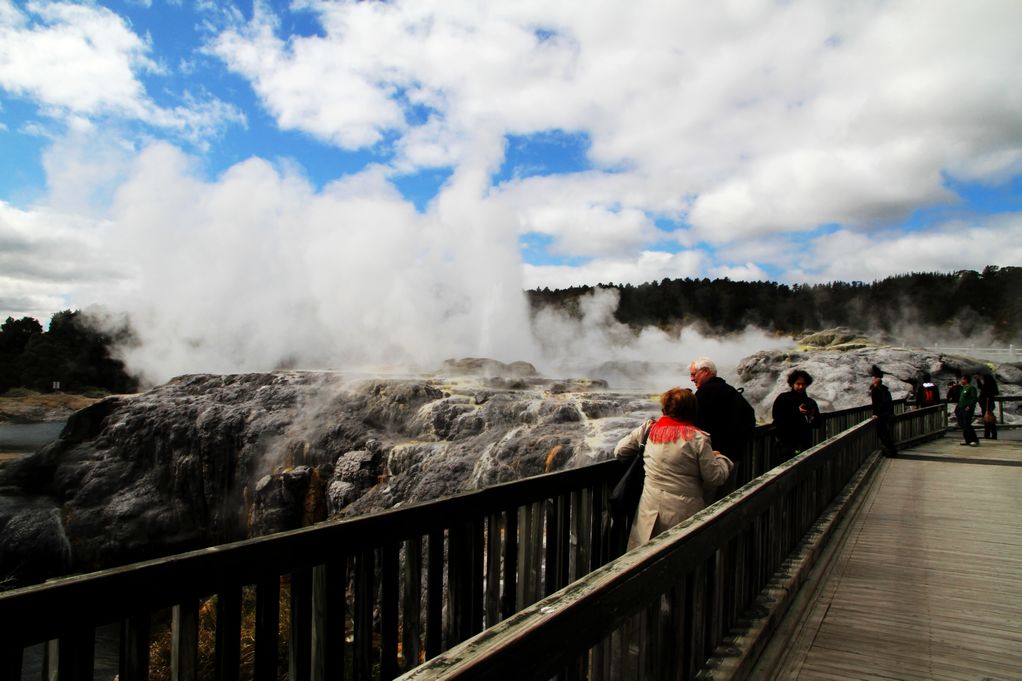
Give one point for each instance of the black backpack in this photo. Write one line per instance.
(743, 421)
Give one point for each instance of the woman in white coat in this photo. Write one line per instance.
(679, 462)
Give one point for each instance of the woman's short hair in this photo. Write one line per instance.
(797, 374)
(680, 404)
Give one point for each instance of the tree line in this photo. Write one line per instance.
(987, 301)
(70, 356)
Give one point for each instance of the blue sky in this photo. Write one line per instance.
(470, 150)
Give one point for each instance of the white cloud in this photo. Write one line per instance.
(958, 245)
(766, 118)
(80, 61)
(746, 272)
(588, 230)
(47, 258)
(749, 125)
(83, 168)
(647, 266)
(326, 88)
(62, 60)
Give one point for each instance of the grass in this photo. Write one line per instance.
(26, 406)
(161, 644)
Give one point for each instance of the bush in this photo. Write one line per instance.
(20, 392)
(93, 391)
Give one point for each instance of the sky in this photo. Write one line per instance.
(383, 179)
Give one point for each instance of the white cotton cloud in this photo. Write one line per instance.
(61, 60)
(647, 266)
(746, 272)
(326, 88)
(81, 61)
(592, 215)
(744, 120)
(46, 257)
(769, 137)
(957, 245)
(83, 168)
(589, 230)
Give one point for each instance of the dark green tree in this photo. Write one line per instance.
(15, 335)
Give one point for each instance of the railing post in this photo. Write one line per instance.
(389, 611)
(135, 648)
(492, 588)
(76, 653)
(300, 656)
(10, 660)
(184, 648)
(509, 597)
(459, 584)
(435, 595)
(411, 628)
(228, 634)
(51, 656)
(267, 628)
(365, 596)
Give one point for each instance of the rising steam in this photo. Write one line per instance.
(259, 271)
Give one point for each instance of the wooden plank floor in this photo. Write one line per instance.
(926, 579)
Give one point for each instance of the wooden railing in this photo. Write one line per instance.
(663, 609)
(1000, 400)
(1008, 354)
(373, 596)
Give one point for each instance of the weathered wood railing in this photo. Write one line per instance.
(372, 596)
(1000, 401)
(1008, 354)
(661, 610)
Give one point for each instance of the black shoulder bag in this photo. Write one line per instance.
(624, 498)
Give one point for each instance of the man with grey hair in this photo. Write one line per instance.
(717, 407)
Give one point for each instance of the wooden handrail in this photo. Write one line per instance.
(659, 611)
(436, 573)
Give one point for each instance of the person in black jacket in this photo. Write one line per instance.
(883, 411)
(795, 416)
(953, 390)
(987, 405)
(716, 417)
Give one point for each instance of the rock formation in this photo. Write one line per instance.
(839, 362)
(208, 459)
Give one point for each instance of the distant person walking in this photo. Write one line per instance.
(722, 415)
(954, 389)
(680, 464)
(883, 411)
(795, 416)
(988, 405)
(968, 398)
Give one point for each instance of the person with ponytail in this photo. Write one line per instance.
(680, 464)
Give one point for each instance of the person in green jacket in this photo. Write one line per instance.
(967, 399)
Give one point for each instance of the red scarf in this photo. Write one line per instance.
(667, 430)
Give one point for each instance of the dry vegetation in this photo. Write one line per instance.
(161, 646)
(27, 406)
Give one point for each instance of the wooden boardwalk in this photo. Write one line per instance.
(924, 581)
